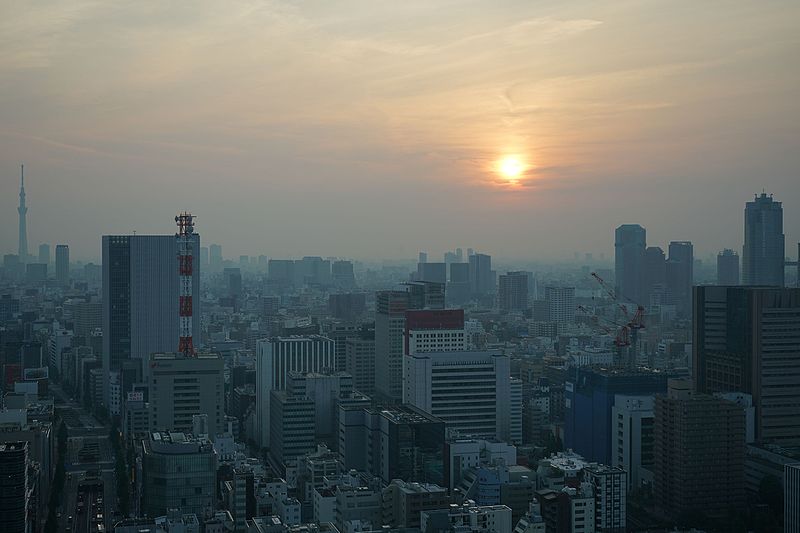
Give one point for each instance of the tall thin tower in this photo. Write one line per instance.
(23, 210)
(185, 222)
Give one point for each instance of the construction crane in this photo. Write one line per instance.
(621, 333)
(629, 332)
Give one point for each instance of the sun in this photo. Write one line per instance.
(510, 167)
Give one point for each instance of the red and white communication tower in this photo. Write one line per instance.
(185, 222)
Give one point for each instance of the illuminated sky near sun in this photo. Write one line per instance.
(370, 128)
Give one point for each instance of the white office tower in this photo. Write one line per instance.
(278, 356)
(632, 445)
(470, 391)
(140, 298)
(562, 303)
(610, 496)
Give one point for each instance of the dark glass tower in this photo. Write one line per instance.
(763, 256)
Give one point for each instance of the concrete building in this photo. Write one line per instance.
(398, 443)
(278, 356)
(609, 485)
(655, 275)
(15, 487)
(434, 272)
(403, 502)
(470, 391)
(62, 264)
(745, 339)
(342, 274)
(87, 317)
(513, 291)
(291, 426)
(179, 472)
(630, 242)
(181, 387)
(468, 517)
(434, 331)
(140, 299)
(360, 361)
(561, 302)
(727, 268)
(764, 254)
(699, 452)
(463, 454)
(632, 443)
(44, 254)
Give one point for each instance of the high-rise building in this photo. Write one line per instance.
(727, 268)
(699, 452)
(513, 291)
(215, 258)
(182, 387)
(404, 501)
(589, 396)
(470, 391)
(434, 330)
(632, 443)
(458, 287)
(343, 275)
(745, 339)
(87, 317)
(791, 497)
(561, 302)
(233, 282)
(360, 360)
(390, 325)
(655, 275)
(22, 249)
(140, 298)
(763, 255)
(610, 488)
(680, 276)
(435, 272)
(278, 356)
(44, 254)
(62, 264)
(14, 487)
(630, 242)
(179, 471)
(481, 277)
(401, 442)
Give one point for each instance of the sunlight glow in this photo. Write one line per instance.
(510, 167)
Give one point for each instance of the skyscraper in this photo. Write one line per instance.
(22, 210)
(215, 258)
(745, 339)
(655, 276)
(763, 254)
(561, 301)
(630, 242)
(680, 275)
(513, 291)
(480, 274)
(727, 267)
(44, 254)
(62, 264)
(140, 298)
(699, 452)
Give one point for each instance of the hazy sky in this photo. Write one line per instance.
(374, 128)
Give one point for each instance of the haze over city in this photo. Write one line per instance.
(376, 129)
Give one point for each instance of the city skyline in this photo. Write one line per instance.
(289, 129)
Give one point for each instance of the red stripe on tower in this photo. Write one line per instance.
(185, 222)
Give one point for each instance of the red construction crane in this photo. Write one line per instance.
(622, 333)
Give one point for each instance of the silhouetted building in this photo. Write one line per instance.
(699, 452)
(630, 241)
(727, 268)
(513, 291)
(62, 264)
(745, 340)
(655, 275)
(561, 304)
(347, 306)
(435, 272)
(680, 275)
(22, 249)
(343, 275)
(763, 255)
(480, 274)
(44, 254)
